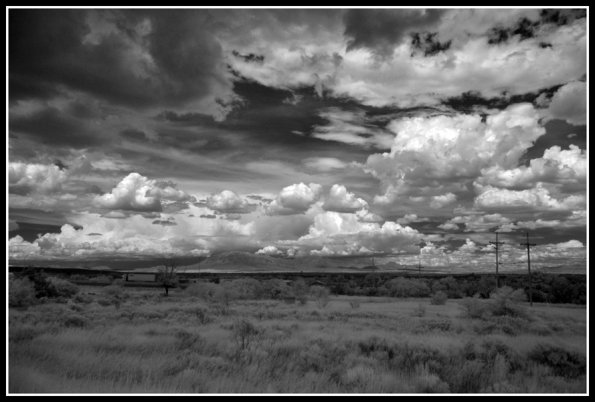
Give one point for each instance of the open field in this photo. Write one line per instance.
(133, 340)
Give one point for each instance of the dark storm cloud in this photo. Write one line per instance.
(137, 58)
(427, 43)
(468, 101)
(55, 127)
(133, 135)
(524, 28)
(382, 30)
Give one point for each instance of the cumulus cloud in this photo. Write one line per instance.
(534, 199)
(26, 178)
(440, 201)
(229, 202)
(408, 218)
(270, 250)
(570, 103)
(295, 199)
(340, 200)
(138, 193)
(565, 167)
(344, 234)
(440, 150)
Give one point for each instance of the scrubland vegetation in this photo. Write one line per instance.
(250, 336)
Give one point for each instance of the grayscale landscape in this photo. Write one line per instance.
(297, 200)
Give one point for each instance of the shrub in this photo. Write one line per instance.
(505, 301)
(439, 298)
(354, 304)
(321, 294)
(244, 333)
(403, 287)
(419, 311)
(75, 320)
(299, 289)
(562, 362)
(21, 292)
(275, 289)
(62, 287)
(202, 290)
(476, 308)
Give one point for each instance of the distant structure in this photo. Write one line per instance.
(130, 277)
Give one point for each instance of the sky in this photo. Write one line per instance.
(403, 133)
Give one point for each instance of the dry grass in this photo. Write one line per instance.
(186, 344)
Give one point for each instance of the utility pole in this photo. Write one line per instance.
(419, 266)
(529, 245)
(497, 243)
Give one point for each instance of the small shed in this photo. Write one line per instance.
(140, 277)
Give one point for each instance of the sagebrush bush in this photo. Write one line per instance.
(202, 290)
(62, 287)
(21, 292)
(321, 294)
(244, 333)
(506, 301)
(403, 287)
(563, 363)
(439, 298)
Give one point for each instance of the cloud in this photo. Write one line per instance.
(476, 223)
(26, 178)
(570, 103)
(162, 57)
(534, 199)
(565, 167)
(346, 234)
(137, 193)
(270, 250)
(351, 127)
(383, 30)
(295, 199)
(229, 202)
(408, 218)
(444, 152)
(324, 164)
(340, 200)
(440, 201)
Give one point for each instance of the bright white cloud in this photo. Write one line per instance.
(565, 167)
(440, 201)
(534, 199)
(295, 199)
(25, 178)
(441, 149)
(137, 193)
(340, 200)
(228, 201)
(270, 250)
